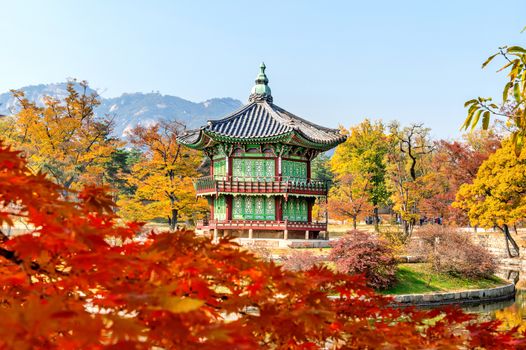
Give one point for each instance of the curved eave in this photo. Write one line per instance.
(208, 138)
(203, 141)
(301, 140)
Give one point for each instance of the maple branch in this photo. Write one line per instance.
(11, 256)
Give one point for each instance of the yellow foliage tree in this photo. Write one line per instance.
(361, 160)
(409, 160)
(163, 177)
(497, 196)
(63, 138)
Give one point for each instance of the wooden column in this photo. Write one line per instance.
(309, 210)
(211, 166)
(215, 235)
(279, 210)
(228, 207)
(212, 208)
(228, 167)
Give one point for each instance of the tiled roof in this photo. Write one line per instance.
(260, 120)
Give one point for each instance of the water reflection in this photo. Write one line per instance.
(512, 313)
(515, 314)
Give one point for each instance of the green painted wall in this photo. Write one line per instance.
(253, 208)
(295, 209)
(220, 208)
(253, 169)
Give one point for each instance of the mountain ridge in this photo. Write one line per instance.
(131, 109)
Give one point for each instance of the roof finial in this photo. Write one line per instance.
(261, 91)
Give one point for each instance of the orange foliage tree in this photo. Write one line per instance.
(454, 164)
(78, 280)
(350, 198)
(163, 176)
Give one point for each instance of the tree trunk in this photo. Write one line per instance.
(354, 222)
(408, 229)
(376, 220)
(509, 239)
(172, 220)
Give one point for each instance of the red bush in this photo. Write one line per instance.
(453, 252)
(300, 260)
(365, 253)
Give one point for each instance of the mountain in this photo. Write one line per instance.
(139, 108)
(131, 109)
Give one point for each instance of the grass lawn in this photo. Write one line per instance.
(420, 278)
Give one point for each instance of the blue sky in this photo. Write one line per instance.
(333, 62)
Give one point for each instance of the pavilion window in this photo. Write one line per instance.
(253, 169)
(219, 169)
(253, 208)
(294, 171)
(295, 209)
(220, 208)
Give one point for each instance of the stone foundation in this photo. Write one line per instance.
(284, 243)
(506, 292)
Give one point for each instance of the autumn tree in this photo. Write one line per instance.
(162, 176)
(63, 138)
(454, 163)
(513, 105)
(65, 285)
(362, 158)
(409, 160)
(497, 196)
(349, 198)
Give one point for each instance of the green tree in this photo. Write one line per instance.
(513, 105)
(497, 196)
(118, 168)
(321, 168)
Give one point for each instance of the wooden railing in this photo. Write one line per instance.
(265, 184)
(261, 225)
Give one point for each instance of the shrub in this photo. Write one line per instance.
(259, 251)
(394, 235)
(453, 252)
(300, 260)
(365, 253)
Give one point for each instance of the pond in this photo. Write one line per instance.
(511, 312)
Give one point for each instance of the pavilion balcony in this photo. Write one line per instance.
(259, 185)
(261, 225)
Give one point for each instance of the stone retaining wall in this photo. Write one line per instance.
(494, 242)
(461, 297)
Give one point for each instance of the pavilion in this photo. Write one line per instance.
(260, 183)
